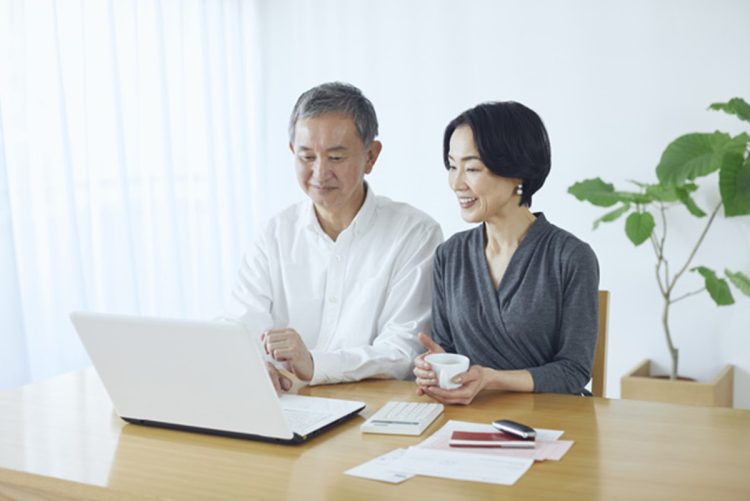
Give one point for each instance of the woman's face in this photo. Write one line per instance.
(482, 195)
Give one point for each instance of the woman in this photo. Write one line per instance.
(516, 294)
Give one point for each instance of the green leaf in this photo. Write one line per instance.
(738, 144)
(639, 184)
(639, 226)
(636, 198)
(661, 192)
(611, 216)
(665, 192)
(594, 191)
(695, 155)
(736, 106)
(717, 287)
(740, 280)
(734, 185)
(684, 196)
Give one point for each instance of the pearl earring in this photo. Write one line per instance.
(519, 190)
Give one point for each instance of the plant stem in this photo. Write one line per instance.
(658, 246)
(659, 261)
(695, 249)
(665, 287)
(688, 295)
(673, 352)
(663, 211)
(670, 287)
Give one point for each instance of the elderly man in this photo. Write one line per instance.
(340, 284)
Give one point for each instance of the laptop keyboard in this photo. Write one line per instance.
(402, 418)
(307, 414)
(304, 421)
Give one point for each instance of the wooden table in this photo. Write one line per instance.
(59, 439)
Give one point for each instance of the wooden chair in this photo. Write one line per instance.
(599, 371)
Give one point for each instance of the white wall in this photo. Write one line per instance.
(614, 82)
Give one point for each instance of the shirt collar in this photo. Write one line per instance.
(361, 221)
(359, 224)
(538, 227)
(308, 218)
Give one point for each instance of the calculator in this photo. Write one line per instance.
(402, 418)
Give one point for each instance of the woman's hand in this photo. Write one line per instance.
(423, 372)
(472, 382)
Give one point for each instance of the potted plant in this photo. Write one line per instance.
(648, 206)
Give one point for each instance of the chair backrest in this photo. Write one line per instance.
(599, 371)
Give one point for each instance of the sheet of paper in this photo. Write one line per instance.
(463, 466)
(547, 445)
(382, 468)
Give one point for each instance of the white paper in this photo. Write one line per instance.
(382, 468)
(463, 466)
(547, 445)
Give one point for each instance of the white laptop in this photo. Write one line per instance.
(200, 376)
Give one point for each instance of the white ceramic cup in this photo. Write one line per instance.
(446, 366)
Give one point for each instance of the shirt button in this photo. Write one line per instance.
(332, 299)
(338, 257)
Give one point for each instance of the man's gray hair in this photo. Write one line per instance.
(337, 97)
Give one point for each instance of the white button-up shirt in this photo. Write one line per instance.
(357, 302)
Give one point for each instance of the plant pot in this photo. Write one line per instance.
(639, 385)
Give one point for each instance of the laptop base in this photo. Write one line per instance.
(295, 440)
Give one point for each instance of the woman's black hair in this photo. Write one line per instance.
(512, 142)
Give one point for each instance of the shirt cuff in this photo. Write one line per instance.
(324, 367)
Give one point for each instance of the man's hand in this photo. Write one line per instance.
(280, 381)
(472, 382)
(423, 372)
(286, 345)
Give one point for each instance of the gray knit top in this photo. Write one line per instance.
(543, 317)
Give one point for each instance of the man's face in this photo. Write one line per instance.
(331, 162)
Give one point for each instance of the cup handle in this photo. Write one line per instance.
(443, 380)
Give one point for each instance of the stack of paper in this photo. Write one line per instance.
(402, 464)
(434, 457)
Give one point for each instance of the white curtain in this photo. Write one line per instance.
(127, 166)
